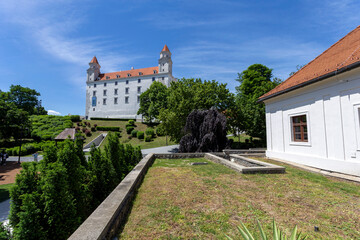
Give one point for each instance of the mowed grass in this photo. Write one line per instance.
(155, 142)
(180, 201)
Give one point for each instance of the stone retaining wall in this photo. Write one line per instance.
(96, 141)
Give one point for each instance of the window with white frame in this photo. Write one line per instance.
(127, 81)
(115, 91)
(104, 93)
(139, 89)
(138, 99)
(116, 100)
(126, 100)
(104, 101)
(127, 90)
(299, 128)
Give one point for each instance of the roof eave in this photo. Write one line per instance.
(314, 80)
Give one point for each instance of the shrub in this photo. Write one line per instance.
(160, 131)
(147, 138)
(131, 122)
(93, 129)
(77, 129)
(140, 135)
(129, 130)
(87, 132)
(134, 133)
(79, 124)
(130, 137)
(84, 129)
(114, 129)
(95, 125)
(75, 118)
(150, 132)
(118, 134)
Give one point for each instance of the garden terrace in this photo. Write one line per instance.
(177, 200)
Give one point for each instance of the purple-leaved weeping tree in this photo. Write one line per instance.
(206, 132)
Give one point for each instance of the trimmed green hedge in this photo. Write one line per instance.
(111, 119)
(129, 129)
(114, 129)
(140, 135)
(134, 133)
(147, 138)
(150, 132)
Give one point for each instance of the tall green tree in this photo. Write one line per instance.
(188, 94)
(152, 100)
(255, 81)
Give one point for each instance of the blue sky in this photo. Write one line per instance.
(47, 44)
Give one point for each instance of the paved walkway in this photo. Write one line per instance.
(167, 149)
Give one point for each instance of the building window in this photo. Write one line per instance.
(127, 81)
(139, 90)
(115, 91)
(104, 93)
(116, 82)
(162, 78)
(93, 101)
(104, 101)
(153, 79)
(139, 80)
(154, 71)
(104, 84)
(299, 128)
(93, 109)
(126, 99)
(116, 100)
(94, 93)
(107, 77)
(127, 90)
(117, 76)
(129, 74)
(94, 85)
(138, 99)
(140, 73)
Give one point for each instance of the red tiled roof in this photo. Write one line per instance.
(94, 60)
(342, 56)
(165, 48)
(132, 72)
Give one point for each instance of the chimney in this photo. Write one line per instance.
(132, 68)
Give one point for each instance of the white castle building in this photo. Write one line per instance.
(117, 94)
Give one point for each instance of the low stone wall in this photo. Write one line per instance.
(96, 141)
(107, 219)
(178, 155)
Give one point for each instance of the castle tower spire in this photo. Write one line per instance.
(165, 62)
(94, 70)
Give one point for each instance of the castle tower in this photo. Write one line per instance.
(94, 70)
(165, 63)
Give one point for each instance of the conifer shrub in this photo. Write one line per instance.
(150, 132)
(160, 131)
(75, 118)
(131, 122)
(140, 135)
(147, 138)
(134, 133)
(129, 129)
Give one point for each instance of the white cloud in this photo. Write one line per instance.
(53, 112)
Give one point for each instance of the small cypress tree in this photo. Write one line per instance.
(113, 152)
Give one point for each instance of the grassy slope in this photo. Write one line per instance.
(156, 142)
(178, 201)
(4, 191)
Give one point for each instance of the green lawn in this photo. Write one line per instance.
(4, 191)
(179, 201)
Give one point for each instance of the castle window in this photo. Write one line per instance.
(162, 78)
(93, 109)
(93, 101)
(153, 79)
(104, 93)
(139, 80)
(115, 83)
(129, 74)
(117, 76)
(104, 101)
(107, 77)
(126, 100)
(104, 84)
(127, 90)
(140, 73)
(163, 64)
(127, 81)
(94, 93)
(94, 85)
(138, 99)
(139, 89)
(154, 71)
(116, 100)
(115, 91)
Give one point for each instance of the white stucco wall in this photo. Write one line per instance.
(332, 109)
(121, 109)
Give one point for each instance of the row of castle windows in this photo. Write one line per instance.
(116, 91)
(115, 101)
(127, 81)
(129, 75)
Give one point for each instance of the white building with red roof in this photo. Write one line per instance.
(313, 118)
(117, 94)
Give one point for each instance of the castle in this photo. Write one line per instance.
(117, 94)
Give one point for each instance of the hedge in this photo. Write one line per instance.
(140, 135)
(147, 138)
(150, 132)
(114, 129)
(129, 130)
(134, 133)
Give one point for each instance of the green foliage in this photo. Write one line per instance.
(140, 135)
(48, 127)
(150, 132)
(131, 122)
(114, 129)
(129, 130)
(160, 131)
(115, 154)
(277, 233)
(189, 94)
(148, 139)
(152, 100)
(249, 116)
(134, 133)
(110, 119)
(75, 118)
(4, 232)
